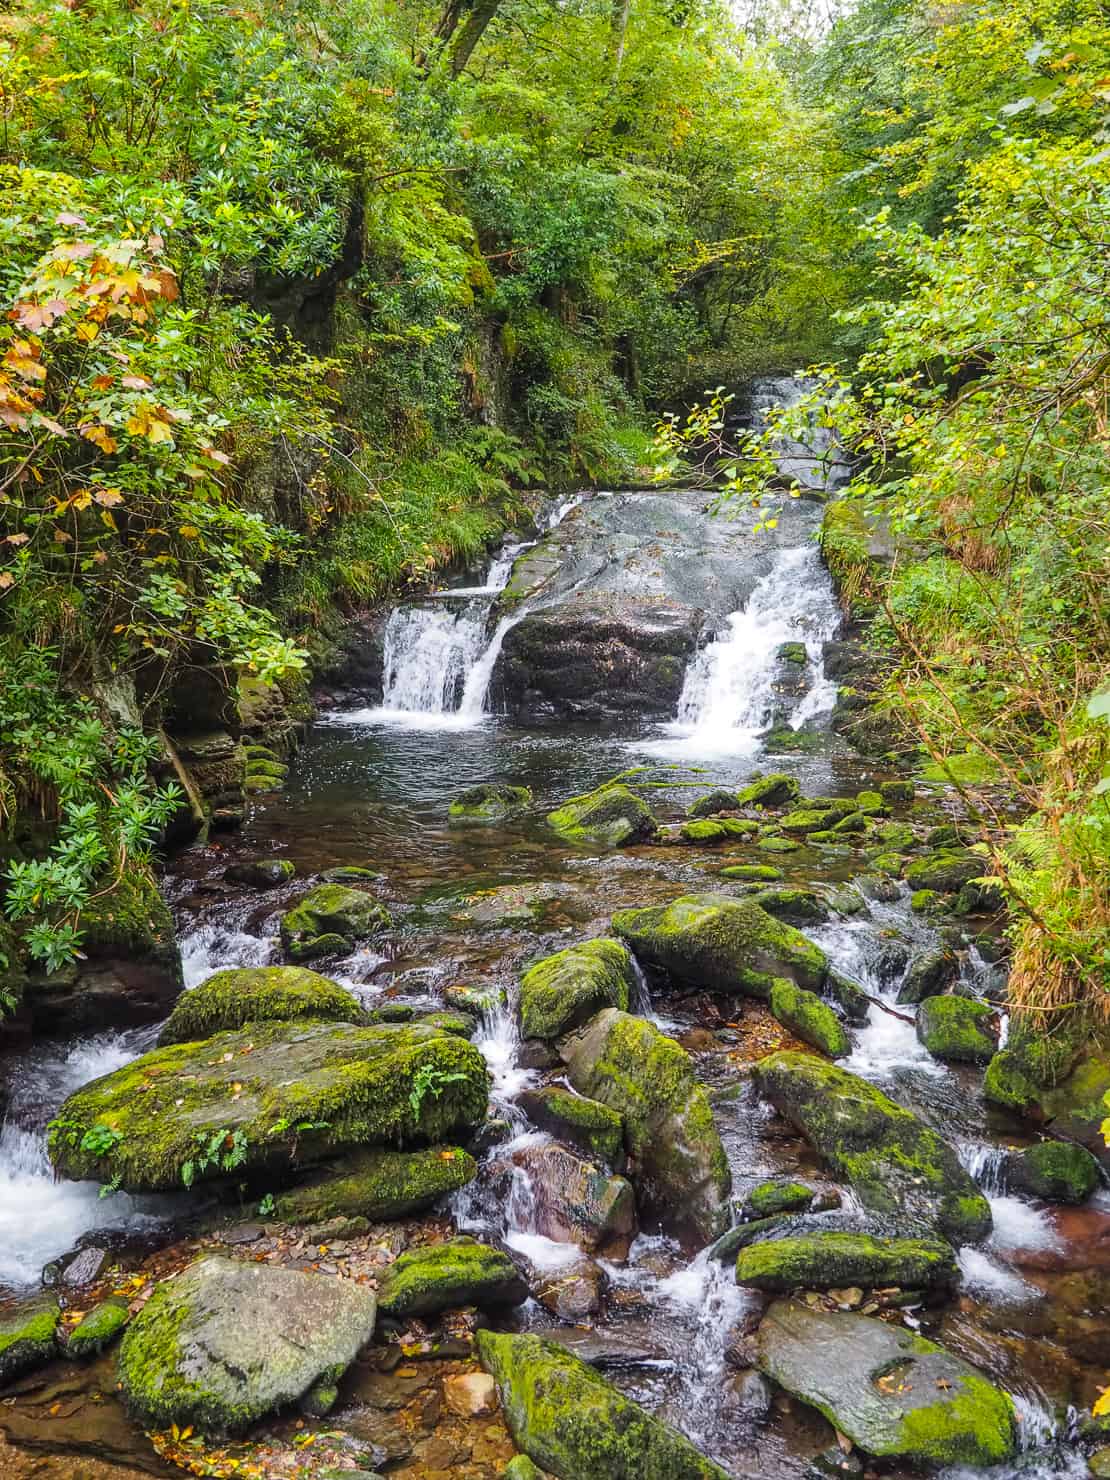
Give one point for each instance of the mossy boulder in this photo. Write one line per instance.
(756, 873)
(871, 803)
(562, 991)
(828, 1261)
(461, 1271)
(1057, 1171)
(894, 1394)
(378, 1185)
(266, 1098)
(328, 913)
(897, 792)
(489, 803)
(612, 816)
(646, 1078)
(945, 871)
(809, 818)
(254, 994)
(575, 1424)
(895, 1163)
(710, 830)
(712, 802)
(775, 790)
(27, 1336)
(928, 975)
(775, 843)
(956, 1029)
(226, 1342)
(97, 1329)
(795, 906)
(809, 1019)
(769, 1198)
(585, 1123)
(721, 944)
(261, 873)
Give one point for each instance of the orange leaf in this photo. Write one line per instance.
(101, 436)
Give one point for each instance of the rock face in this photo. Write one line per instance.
(331, 918)
(230, 999)
(27, 1337)
(564, 990)
(449, 1275)
(576, 1202)
(226, 1342)
(827, 1261)
(721, 944)
(890, 1392)
(612, 815)
(894, 1162)
(956, 1029)
(378, 1184)
(489, 803)
(577, 1426)
(265, 1098)
(627, 1064)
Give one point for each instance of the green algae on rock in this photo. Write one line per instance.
(717, 829)
(721, 944)
(627, 1064)
(575, 1424)
(932, 1408)
(809, 1019)
(27, 1336)
(1058, 1171)
(377, 1185)
(775, 790)
(267, 1097)
(894, 1162)
(489, 803)
(329, 911)
(763, 873)
(612, 815)
(226, 1342)
(826, 1261)
(447, 1276)
(252, 994)
(261, 873)
(97, 1329)
(587, 1124)
(563, 991)
(956, 1029)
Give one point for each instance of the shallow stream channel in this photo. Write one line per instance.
(796, 1275)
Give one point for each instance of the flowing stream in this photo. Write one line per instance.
(372, 789)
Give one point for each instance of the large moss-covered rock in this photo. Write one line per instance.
(1058, 1080)
(226, 1342)
(445, 1276)
(681, 1168)
(721, 944)
(956, 1029)
(779, 1196)
(587, 1124)
(612, 815)
(328, 913)
(1058, 1171)
(795, 906)
(946, 870)
(928, 975)
(378, 1185)
(489, 803)
(97, 1329)
(809, 1019)
(827, 1261)
(575, 1424)
(27, 1336)
(709, 830)
(254, 994)
(892, 1393)
(775, 790)
(893, 1161)
(265, 1098)
(563, 991)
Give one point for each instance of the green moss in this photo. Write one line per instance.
(489, 803)
(813, 819)
(612, 815)
(562, 991)
(771, 843)
(230, 999)
(847, 546)
(945, 870)
(327, 912)
(775, 790)
(1059, 1171)
(825, 1261)
(757, 872)
(447, 1276)
(712, 802)
(98, 1329)
(928, 902)
(378, 1185)
(796, 906)
(956, 1029)
(770, 1198)
(27, 1337)
(872, 803)
(809, 1019)
(965, 767)
(974, 1427)
(897, 792)
(583, 1122)
(717, 830)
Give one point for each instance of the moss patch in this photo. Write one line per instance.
(230, 999)
(775, 790)
(327, 913)
(826, 1261)
(809, 1019)
(770, 1198)
(377, 1185)
(96, 1330)
(489, 803)
(563, 991)
(956, 1029)
(27, 1336)
(612, 815)
(447, 1276)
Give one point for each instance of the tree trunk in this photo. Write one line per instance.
(467, 38)
(618, 29)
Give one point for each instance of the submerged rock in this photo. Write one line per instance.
(331, 918)
(893, 1161)
(612, 815)
(446, 1276)
(587, 1124)
(721, 944)
(809, 1019)
(1058, 1171)
(563, 991)
(269, 1097)
(489, 803)
(226, 1342)
(956, 1029)
(261, 873)
(378, 1185)
(827, 1261)
(892, 1393)
(252, 994)
(575, 1424)
(27, 1336)
(681, 1168)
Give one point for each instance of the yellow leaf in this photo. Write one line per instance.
(190, 531)
(102, 438)
(1102, 1404)
(87, 331)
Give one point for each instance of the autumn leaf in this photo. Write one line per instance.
(108, 497)
(135, 383)
(1101, 1407)
(87, 331)
(6, 580)
(17, 539)
(101, 437)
